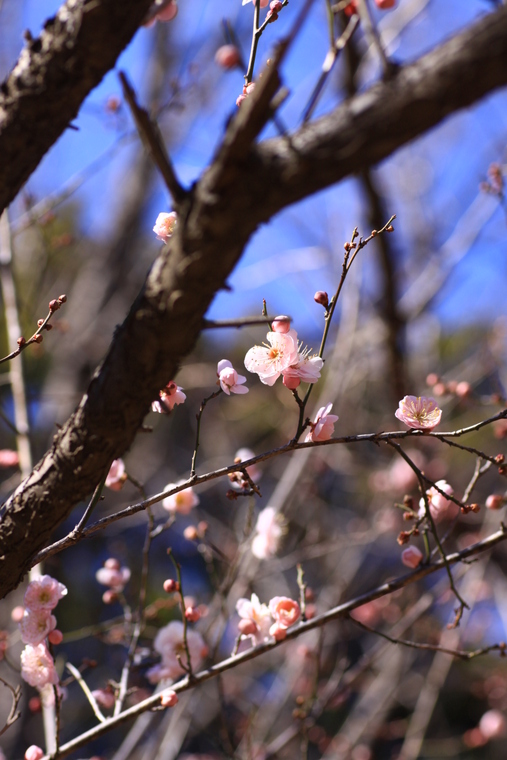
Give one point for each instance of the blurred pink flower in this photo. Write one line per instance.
(323, 427)
(33, 753)
(168, 398)
(230, 381)
(268, 533)
(169, 644)
(8, 458)
(164, 226)
(37, 666)
(36, 625)
(270, 361)
(227, 56)
(419, 412)
(116, 476)
(285, 611)
(183, 501)
(492, 725)
(278, 631)
(113, 576)
(258, 615)
(168, 698)
(43, 594)
(440, 507)
(104, 698)
(243, 455)
(411, 556)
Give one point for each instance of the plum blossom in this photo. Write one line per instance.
(268, 533)
(43, 594)
(323, 427)
(8, 458)
(116, 476)
(168, 698)
(183, 501)
(37, 666)
(285, 611)
(237, 478)
(169, 397)
(34, 753)
(270, 361)
(440, 507)
(113, 575)
(306, 369)
(36, 625)
(411, 556)
(230, 381)
(166, 223)
(419, 412)
(257, 615)
(169, 644)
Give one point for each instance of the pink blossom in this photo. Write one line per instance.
(411, 556)
(43, 594)
(8, 458)
(34, 753)
(116, 577)
(183, 501)
(257, 615)
(384, 5)
(419, 412)
(36, 625)
(281, 324)
(230, 381)
(323, 427)
(285, 611)
(306, 368)
(227, 56)
(270, 361)
(440, 507)
(492, 725)
(169, 644)
(116, 476)
(268, 533)
(165, 225)
(168, 398)
(168, 698)
(37, 666)
(278, 631)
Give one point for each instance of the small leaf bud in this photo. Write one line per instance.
(38, 339)
(21, 341)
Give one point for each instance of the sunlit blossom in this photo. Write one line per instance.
(183, 501)
(440, 507)
(284, 610)
(169, 643)
(323, 427)
(268, 533)
(43, 594)
(169, 397)
(165, 225)
(37, 666)
(306, 368)
(230, 381)
(258, 615)
(269, 361)
(411, 557)
(36, 625)
(419, 412)
(168, 698)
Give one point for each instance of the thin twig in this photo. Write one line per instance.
(89, 696)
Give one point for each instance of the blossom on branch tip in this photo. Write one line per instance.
(169, 397)
(411, 556)
(269, 361)
(165, 225)
(183, 501)
(419, 412)
(323, 427)
(43, 594)
(116, 476)
(230, 381)
(268, 532)
(255, 619)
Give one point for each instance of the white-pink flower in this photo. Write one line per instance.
(37, 666)
(116, 476)
(230, 381)
(34, 753)
(169, 644)
(492, 725)
(306, 369)
(183, 501)
(268, 533)
(284, 610)
(36, 625)
(165, 224)
(323, 427)
(169, 397)
(43, 594)
(419, 412)
(113, 575)
(269, 361)
(440, 507)
(411, 556)
(259, 617)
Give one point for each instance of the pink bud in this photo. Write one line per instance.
(276, 6)
(278, 631)
(227, 56)
(247, 627)
(281, 324)
(55, 637)
(250, 88)
(17, 614)
(291, 382)
(240, 99)
(109, 597)
(192, 614)
(168, 698)
(463, 389)
(412, 556)
(112, 564)
(432, 379)
(492, 725)
(495, 501)
(34, 753)
(384, 5)
(62, 298)
(321, 297)
(170, 586)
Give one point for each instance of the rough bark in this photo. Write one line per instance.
(245, 186)
(53, 75)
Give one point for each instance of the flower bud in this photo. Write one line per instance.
(411, 557)
(281, 324)
(170, 586)
(227, 56)
(192, 614)
(291, 382)
(21, 341)
(54, 305)
(321, 297)
(38, 339)
(190, 533)
(168, 698)
(62, 298)
(55, 637)
(495, 501)
(384, 5)
(247, 627)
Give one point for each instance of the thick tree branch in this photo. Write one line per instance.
(53, 75)
(244, 187)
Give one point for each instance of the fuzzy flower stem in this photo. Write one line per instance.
(188, 667)
(198, 417)
(89, 696)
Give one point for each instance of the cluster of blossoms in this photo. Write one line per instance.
(260, 621)
(113, 575)
(170, 644)
(169, 397)
(283, 356)
(38, 625)
(165, 225)
(268, 532)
